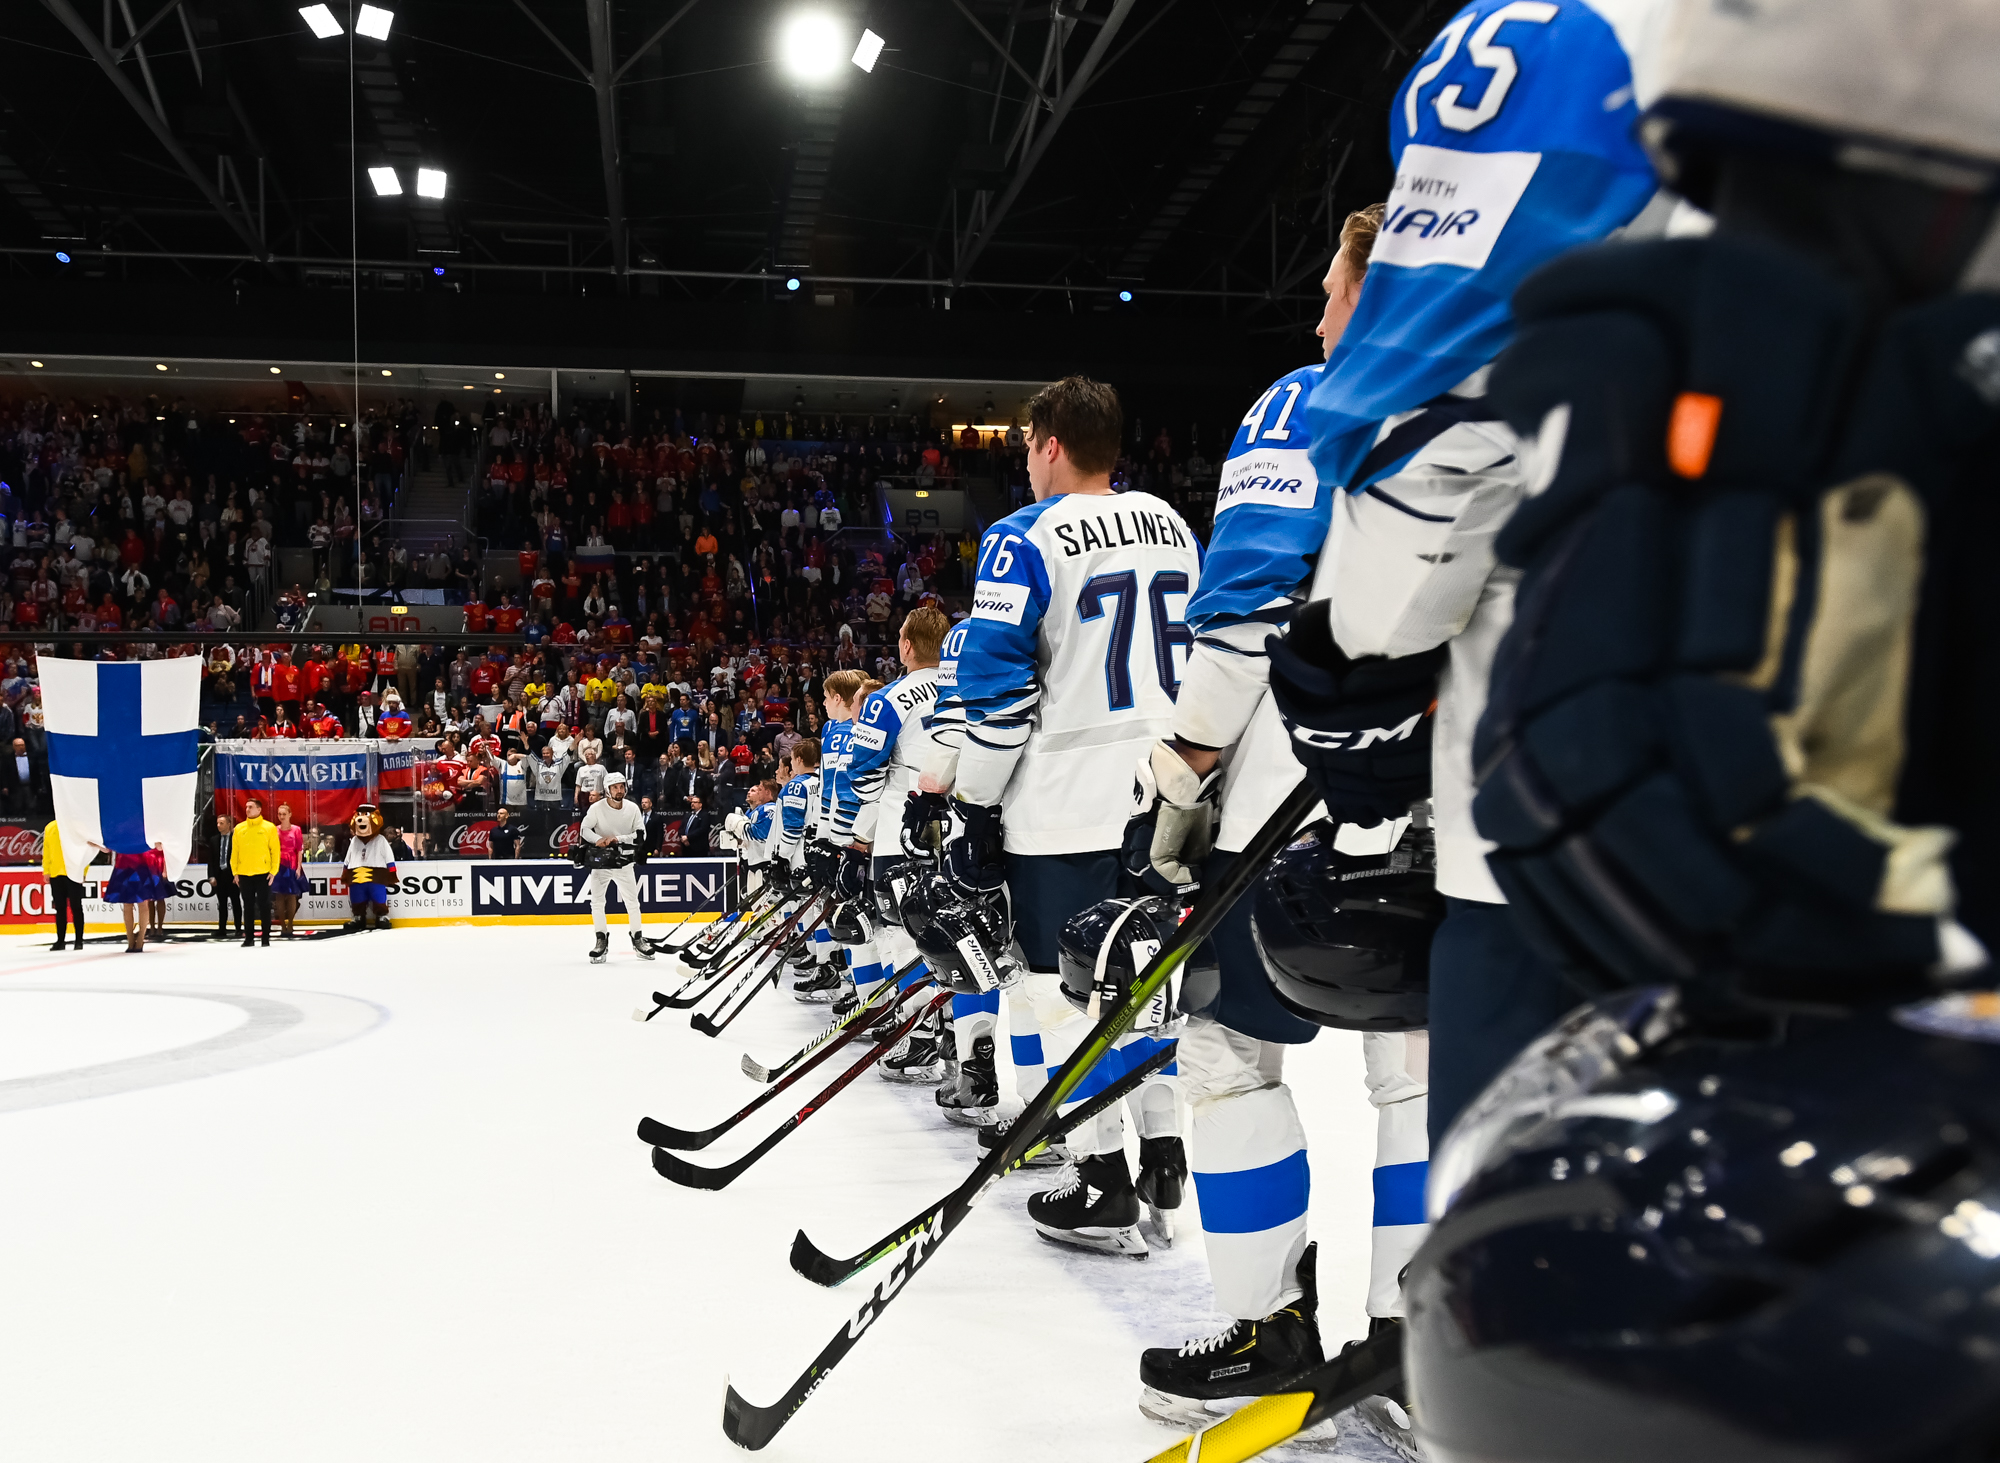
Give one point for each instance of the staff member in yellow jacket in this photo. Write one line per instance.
(65, 894)
(253, 858)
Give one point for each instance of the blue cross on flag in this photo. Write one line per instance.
(122, 755)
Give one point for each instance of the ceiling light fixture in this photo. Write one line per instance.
(61, 257)
(374, 22)
(791, 284)
(321, 20)
(870, 49)
(388, 373)
(276, 372)
(159, 366)
(810, 45)
(438, 269)
(499, 375)
(1125, 296)
(430, 183)
(36, 364)
(387, 184)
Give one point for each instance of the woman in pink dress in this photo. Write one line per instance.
(290, 880)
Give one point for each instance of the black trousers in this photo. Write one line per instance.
(228, 896)
(66, 895)
(256, 903)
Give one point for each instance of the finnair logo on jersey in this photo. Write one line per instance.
(1450, 207)
(991, 601)
(1279, 478)
(871, 737)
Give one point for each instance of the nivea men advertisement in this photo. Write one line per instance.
(546, 890)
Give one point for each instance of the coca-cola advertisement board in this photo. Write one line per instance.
(20, 841)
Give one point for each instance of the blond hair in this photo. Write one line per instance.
(1358, 235)
(925, 629)
(845, 684)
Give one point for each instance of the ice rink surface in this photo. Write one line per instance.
(379, 1197)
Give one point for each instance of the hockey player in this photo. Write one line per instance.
(755, 832)
(1396, 526)
(891, 740)
(370, 870)
(1065, 672)
(843, 692)
(612, 840)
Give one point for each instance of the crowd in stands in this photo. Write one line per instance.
(677, 592)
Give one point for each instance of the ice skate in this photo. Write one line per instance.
(1163, 1173)
(601, 948)
(915, 1059)
(1389, 1421)
(819, 988)
(1093, 1207)
(995, 1133)
(1193, 1385)
(639, 946)
(973, 1101)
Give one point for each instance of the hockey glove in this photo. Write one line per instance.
(1172, 827)
(926, 824)
(972, 858)
(851, 882)
(822, 865)
(1361, 729)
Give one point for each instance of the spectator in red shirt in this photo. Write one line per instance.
(485, 676)
(507, 619)
(530, 560)
(476, 618)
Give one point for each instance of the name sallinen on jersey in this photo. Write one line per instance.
(1449, 207)
(1123, 529)
(1276, 477)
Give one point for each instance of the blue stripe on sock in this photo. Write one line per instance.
(1113, 1065)
(1027, 1051)
(1399, 1193)
(916, 974)
(963, 1006)
(867, 975)
(1252, 1200)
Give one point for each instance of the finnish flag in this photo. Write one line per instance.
(122, 755)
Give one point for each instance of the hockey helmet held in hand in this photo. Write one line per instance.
(1725, 1249)
(1345, 939)
(1104, 949)
(850, 923)
(891, 890)
(963, 938)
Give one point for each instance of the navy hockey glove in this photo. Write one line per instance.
(1360, 728)
(851, 882)
(972, 859)
(822, 865)
(926, 824)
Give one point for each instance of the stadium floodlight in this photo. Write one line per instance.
(321, 20)
(275, 371)
(869, 51)
(374, 22)
(61, 257)
(430, 183)
(387, 184)
(36, 364)
(388, 373)
(159, 365)
(810, 45)
(792, 283)
(1125, 296)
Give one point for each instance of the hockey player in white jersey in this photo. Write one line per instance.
(1396, 526)
(798, 812)
(1064, 674)
(612, 840)
(754, 832)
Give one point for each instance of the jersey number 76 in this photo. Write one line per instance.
(1123, 587)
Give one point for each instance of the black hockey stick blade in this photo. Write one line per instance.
(751, 1426)
(702, 1022)
(663, 1135)
(809, 1260)
(670, 1165)
(863, 1015)
(1298, 1402)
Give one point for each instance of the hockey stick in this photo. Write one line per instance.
(704, 1022)
(862, 1014)
(822, 1269)
(734, 933)
(663, 1002)
(750, 1426)
(671, 1166)
(660, 1135)
(750, 957)
(1305, 1400)
(707, 1025)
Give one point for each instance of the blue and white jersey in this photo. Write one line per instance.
(1271, 519)
(758, 843)
(837, 801)
(890, 741)
(798, 803)
(1068, 668)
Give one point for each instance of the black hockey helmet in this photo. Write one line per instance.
(1345, 938)
(963, 938)
(850, 923)
(1658, 1245)
(1105, 947)
(890, 891)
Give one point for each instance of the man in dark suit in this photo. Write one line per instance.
(228, 895)
(24, 779)
(676, 777)
(699, 829)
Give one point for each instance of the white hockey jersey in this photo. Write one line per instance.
(892, 739)
(1069, 665)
